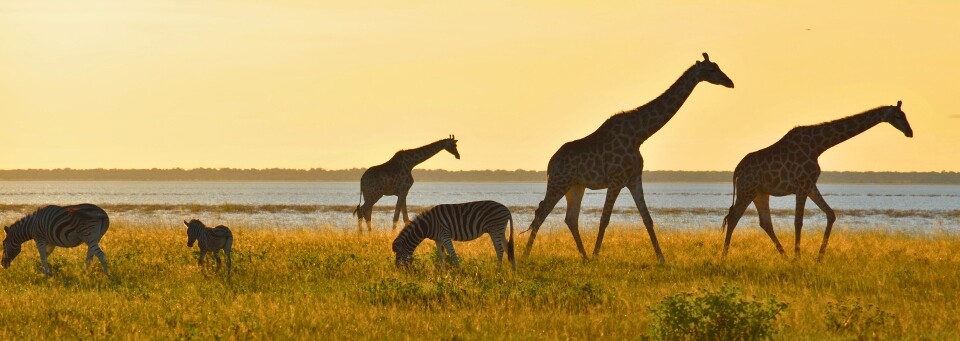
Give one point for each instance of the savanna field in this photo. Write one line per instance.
(330, 282)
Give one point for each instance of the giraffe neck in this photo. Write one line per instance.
(413, 157)
(829, 134)
(647, 119)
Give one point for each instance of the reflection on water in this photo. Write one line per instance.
(310, 204)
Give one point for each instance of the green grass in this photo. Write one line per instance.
(327, 283)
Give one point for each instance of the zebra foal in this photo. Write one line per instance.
(63, 226)
(461, 222)
(210, 240)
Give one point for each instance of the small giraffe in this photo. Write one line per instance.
(790, 166)
(394, 177)
(610, 158)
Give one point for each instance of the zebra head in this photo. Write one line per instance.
(193, 230)
(10, 248)
(404, 257)
(451, 147)
(407, 241)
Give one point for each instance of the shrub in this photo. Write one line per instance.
(849, 318)
(714, 315)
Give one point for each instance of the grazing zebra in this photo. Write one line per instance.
(53, 226)
(210, 240)
(461, 222)
(395, 177)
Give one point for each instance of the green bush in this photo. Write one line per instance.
(849, 318)
(714, 315)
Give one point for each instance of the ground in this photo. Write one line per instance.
(330, 282)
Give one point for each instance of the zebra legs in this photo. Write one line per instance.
(612, 194)
(440, 256)
(203, 253)
(44, 250)
(226, 252)
(831, 217)
(636, 190)
(216, 257)
(94, 249)
(498, 245)
(448, 243)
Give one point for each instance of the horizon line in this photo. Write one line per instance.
(415, 169)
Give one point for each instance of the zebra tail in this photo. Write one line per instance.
(510, 257)
(723, 227)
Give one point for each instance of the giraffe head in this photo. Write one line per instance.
(450, 145)
(710, 72)
(895, 116)
(10, 249)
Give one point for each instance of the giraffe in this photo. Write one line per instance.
(610, 158)
(394, 177)
(790, 166)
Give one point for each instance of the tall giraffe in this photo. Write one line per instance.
(790, 166)
(610, 158)
(395, 177)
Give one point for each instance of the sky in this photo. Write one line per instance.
(290, 84)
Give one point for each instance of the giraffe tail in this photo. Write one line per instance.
(723, 227)
(356, 211)
(510, 256)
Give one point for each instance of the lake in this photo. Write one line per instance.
(673, 205)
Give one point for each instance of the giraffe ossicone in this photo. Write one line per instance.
(791, 167)
(609, 158)
(395, 177)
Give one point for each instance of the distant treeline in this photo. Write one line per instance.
(432, 175)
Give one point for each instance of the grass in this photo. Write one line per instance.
(330, 283)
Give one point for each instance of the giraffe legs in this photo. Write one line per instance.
(612, 194)
(831, 217)
(367, 211)
(554, 193)
(636, 190)
(733, 217)
(762, 203)
(574, 199)
(798, 223)
(396, 211)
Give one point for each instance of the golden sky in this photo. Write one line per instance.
(142, 84)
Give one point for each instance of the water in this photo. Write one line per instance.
(681, 205)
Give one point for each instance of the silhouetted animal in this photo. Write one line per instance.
(610, 158)
(790, 166)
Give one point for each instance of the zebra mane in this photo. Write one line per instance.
(24, 220)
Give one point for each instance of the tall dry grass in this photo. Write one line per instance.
(329, 283)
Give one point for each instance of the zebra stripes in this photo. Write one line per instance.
(461, 222)
(210, 240)
(53, 226)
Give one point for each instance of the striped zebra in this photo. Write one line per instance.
(63, 226)
(461, 222)
(210, 240)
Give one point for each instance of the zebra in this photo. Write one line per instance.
(461, 222)
(63, 226)
(210, 240)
